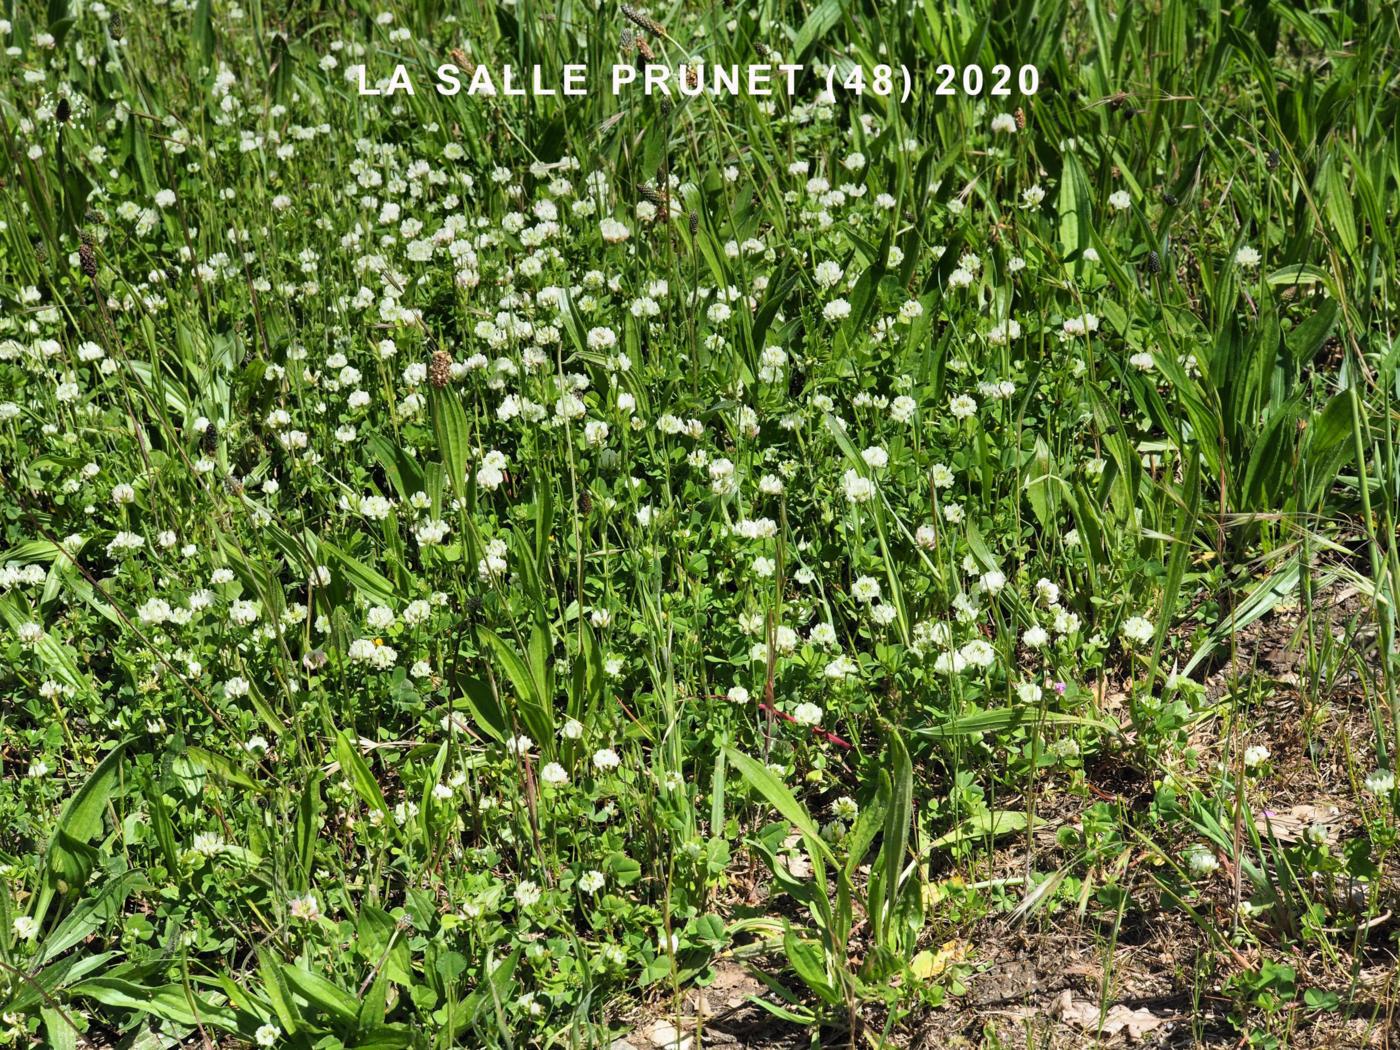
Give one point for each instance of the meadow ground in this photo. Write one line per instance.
(908, 560)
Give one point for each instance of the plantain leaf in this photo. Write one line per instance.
(822, 19)
(328, 998)
(204, 30)
(533, 702)
(367, 581)
(781, 799)
(985, 825)
(69, 854)
(453, 437)
(895, 840)
(91, 915)
(171, 1002)
(353, 766)
(308, 820)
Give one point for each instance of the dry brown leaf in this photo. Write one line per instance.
(1117, 1019)
(1289, 825)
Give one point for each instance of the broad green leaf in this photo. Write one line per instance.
(170, 1002)
(781, 799)
(985, 825)
(307, 826)
(452, 435)
(99, 910)
(370, 583)
(80, 821)
(822, 18)
(357, 770)
(533, 703)
(328, 998)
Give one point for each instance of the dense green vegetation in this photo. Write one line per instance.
(473, 567)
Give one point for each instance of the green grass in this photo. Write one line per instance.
(431, 620)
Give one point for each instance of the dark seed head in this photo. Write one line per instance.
(465, 64)
(694, 223)
(642, 21)
(64, 111)
(1171, 199)
(1154, 263)
(209, 440)
(1271, 161)
(87, 258)
(440, 369)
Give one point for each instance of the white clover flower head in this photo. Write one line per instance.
(866, 589)
(1138, 630)
(875, 457)
(527, 893)
(857, 487)
(1200, 861)
(1380, 782)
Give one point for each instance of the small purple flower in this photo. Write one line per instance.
(1060, 688)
